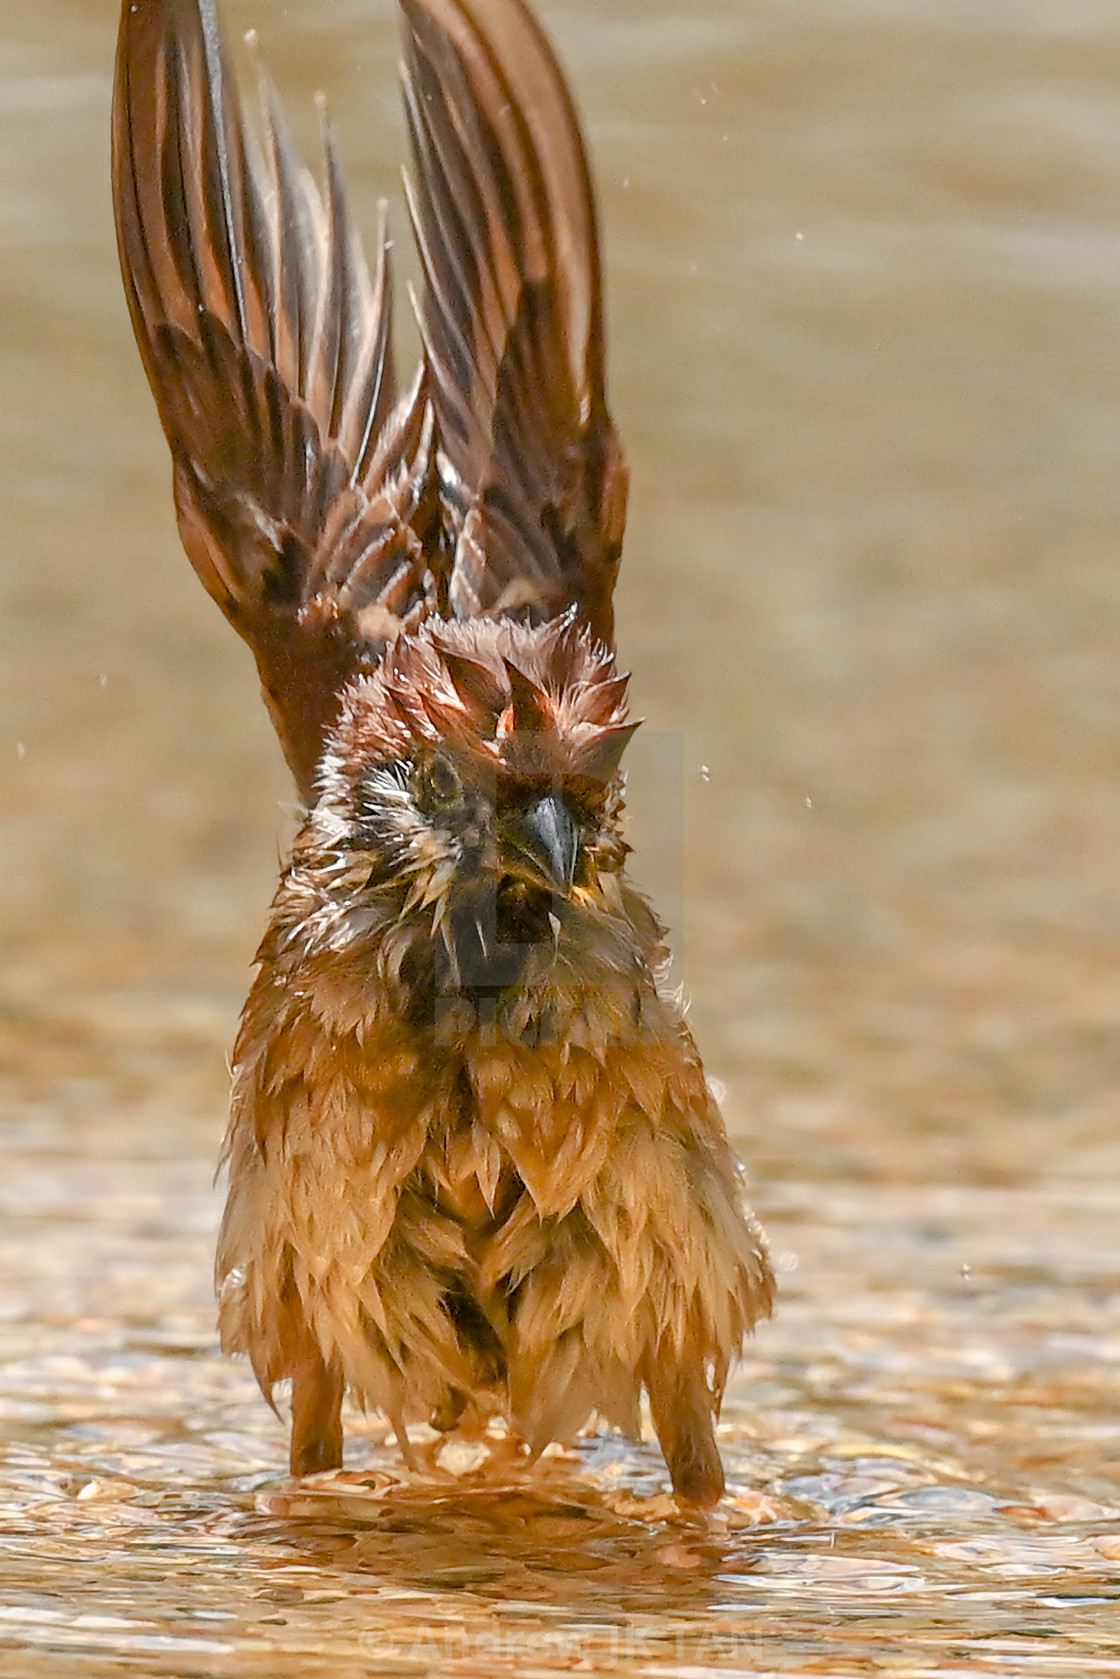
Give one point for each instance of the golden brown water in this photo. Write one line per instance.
(865, 291)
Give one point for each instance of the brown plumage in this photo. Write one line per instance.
(474, 1165)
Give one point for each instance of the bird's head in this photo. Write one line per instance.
(476, 773)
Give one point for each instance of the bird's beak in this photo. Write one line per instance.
(543, 842)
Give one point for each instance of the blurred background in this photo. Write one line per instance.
(864, 289)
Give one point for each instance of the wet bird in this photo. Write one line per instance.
(474, 1167)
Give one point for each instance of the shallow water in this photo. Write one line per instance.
(865, 293)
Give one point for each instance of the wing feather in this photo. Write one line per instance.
(302, 480)
(323, 511)
(531, 471)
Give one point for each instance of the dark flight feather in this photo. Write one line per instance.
(322, 512)
(302, 484)
(531, 471)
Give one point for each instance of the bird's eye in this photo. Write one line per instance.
(437, 786)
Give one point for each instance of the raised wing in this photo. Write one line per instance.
(532, 477)
(302, 485)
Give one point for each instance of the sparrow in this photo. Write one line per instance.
(475, 1169)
